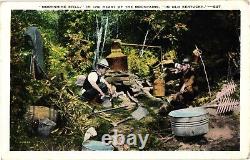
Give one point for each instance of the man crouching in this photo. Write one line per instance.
(95, 86)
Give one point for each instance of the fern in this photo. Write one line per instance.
(226, 91)
(227, 105)
(223, 102)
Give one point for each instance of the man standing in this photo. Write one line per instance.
(95, 86)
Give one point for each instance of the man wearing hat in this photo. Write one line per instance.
(188, 85)
(95, 86)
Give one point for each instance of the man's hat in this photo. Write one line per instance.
(104, 63)
(186, 60)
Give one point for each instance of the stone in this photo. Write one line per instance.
(91, 132)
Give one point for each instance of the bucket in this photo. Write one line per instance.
(92, 145)
(159, 87)
(189, 122)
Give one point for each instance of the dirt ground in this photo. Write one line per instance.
(223, 135)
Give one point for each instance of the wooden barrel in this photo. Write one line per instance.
(159, 87)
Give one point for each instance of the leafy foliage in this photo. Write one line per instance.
(140, 65)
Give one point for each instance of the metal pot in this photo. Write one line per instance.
(189, 121)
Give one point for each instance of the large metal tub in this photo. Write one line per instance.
(189, 121)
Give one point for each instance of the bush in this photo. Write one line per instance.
(140, 65)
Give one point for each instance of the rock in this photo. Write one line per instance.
(91, 132)
(80, 80)
(106, 103)
(45, 127)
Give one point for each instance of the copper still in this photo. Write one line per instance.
(117, 60)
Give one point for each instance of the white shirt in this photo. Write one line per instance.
(92, 77)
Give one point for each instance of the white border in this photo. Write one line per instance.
(225, 5)
(5, 11)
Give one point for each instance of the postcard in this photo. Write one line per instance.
(126, 79)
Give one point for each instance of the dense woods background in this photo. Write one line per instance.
(69, 40)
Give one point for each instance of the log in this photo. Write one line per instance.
(149, 83)
(148, 88)
(139, 45)
(116, 79)
(127, 83)
(135, 90)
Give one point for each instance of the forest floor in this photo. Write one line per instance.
(223, 135)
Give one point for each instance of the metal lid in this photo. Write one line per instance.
(97, 146)
(188, 112)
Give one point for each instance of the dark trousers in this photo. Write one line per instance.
(92, 93)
